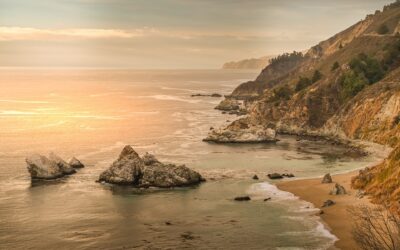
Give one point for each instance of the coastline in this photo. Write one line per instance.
(336, 217)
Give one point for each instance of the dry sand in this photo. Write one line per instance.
(337, 218)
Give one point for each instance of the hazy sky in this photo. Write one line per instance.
(166, 33)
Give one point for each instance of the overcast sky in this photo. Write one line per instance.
(166, 33)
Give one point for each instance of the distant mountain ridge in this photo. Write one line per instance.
(253, 63)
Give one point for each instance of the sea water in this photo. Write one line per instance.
(93, 114)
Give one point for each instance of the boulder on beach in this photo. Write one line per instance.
(328, 203)
(338, 190)
(274, 176)
(327, 179)
(147, 171)
(75, 163)
(47, 168)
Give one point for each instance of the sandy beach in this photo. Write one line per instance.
(336, 217)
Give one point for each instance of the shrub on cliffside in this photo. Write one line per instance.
(282, 93)
(303, 83)
(383, 29)
(364, 71)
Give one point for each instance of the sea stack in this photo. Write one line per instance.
(147, 171)
(48, 168)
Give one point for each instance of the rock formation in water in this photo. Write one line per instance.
(47, 168)
(75, 163)
(239, 132)
(147, 171)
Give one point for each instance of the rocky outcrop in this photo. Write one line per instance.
(382, 182)
(47, 168)
(147, 171)
(228, 105)
(240, 132)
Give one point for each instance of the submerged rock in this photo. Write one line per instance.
(242, 198)
(327, 178)
(47, 168)
(131, 169)
(241, 132)
(338, 190)
(75, 163)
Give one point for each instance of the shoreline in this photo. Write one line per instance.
(336, 218)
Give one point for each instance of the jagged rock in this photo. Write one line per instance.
(63, 165)
(147, 171)
(275, 176)
(228, 105)
(255, 177)
(149, 159)
(327, 178)
(240, 132)
(75, 163)
(47, 168)
(328, 203)
(40, 167)
(126, 170)
(338, 190)
(242, 198)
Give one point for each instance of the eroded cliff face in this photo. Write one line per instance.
(373, 115)
(347, 87)
(382, 182)
(341, 102)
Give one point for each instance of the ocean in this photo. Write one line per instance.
(93, 114)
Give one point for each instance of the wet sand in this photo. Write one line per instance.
(336, 217)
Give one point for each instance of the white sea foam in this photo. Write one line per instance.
(261, 190)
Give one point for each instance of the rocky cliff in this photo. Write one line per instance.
(347, 87)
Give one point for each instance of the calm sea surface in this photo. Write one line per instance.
(92, 114)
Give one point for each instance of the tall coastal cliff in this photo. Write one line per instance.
(347, 87)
